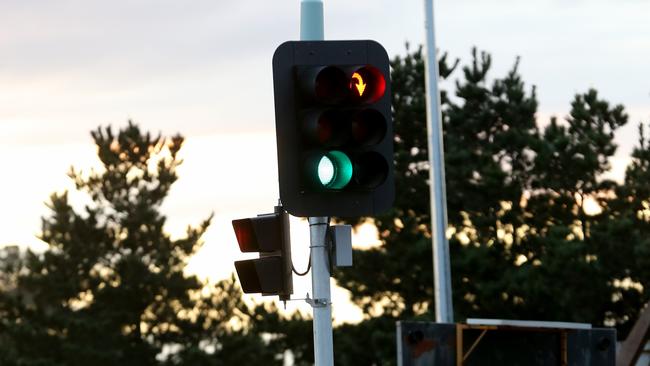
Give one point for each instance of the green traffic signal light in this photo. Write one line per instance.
(334, 170)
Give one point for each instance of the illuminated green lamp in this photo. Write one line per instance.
(334, 170)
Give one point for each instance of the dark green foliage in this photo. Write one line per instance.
(622, 238)
(371, 342)
(523, 242)
(110, 288)
(405, 286)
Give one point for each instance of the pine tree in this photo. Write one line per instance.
(523, 244)
(110, 289)
(622, 240)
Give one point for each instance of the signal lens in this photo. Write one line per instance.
(245, 233)
(331, 85)
(368, 127)
(334, 170)
(370, 170)
(325, 171)
(328, 128)
(367, 84)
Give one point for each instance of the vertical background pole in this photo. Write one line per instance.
(441, 267)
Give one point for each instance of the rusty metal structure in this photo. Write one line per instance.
(504, 342)
(635, 342)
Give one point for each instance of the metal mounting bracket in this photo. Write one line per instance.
(316, 303)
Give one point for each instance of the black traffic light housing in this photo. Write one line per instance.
(268, 234)
(333, 127)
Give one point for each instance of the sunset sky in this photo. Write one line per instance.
(203, 68)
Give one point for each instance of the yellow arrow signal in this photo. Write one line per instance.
(361, 86)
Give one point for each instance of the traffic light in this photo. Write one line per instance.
(333, 127)
(268, 234)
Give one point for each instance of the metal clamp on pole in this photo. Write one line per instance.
(317, 303)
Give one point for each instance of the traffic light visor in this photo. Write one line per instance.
(260, 275)
(258, 234)
(245, 233)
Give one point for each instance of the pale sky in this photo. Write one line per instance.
(203, 68)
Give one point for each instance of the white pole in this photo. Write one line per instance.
(311, 20)
(311, 28)
(441, 267)
(320, 286)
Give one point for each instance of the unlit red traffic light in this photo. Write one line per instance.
(268, 235)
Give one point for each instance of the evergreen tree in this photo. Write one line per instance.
(523, 244)
(490, 139)
(110, 288)
(622, 240)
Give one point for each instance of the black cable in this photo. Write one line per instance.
(306, 271)
(293, 268)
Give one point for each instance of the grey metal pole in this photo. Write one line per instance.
(441, 267)
(311, 20)
(312, 29)
(320, 286)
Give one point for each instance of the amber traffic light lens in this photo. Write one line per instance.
(367, 84)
